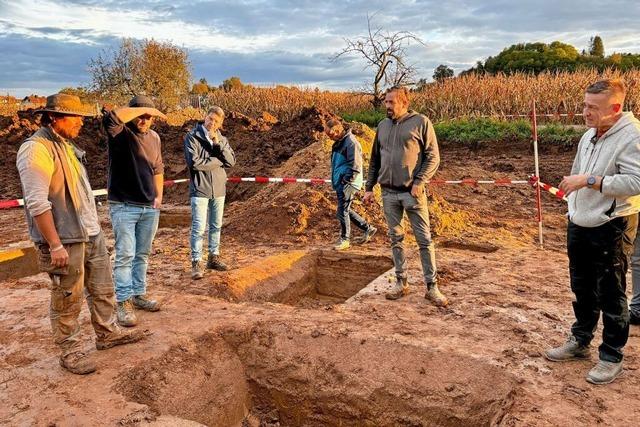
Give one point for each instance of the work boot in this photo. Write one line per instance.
(126, 314)
(342, 244)
(570, 350)
(78, 363)
(368, 234)
(197, 272)
(634, 319)
(120, 337)
(604, 372)
(141, 302)
(433, 294)
(215, 263)
(400, 289)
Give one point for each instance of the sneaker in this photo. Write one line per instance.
(126, 314)
(342, 244)
(400, 289)
(604, 372)
(197, 272)
(215, 263)
(433, 294)
(78, 363)
(634, 319)
(368, 234)
(141, 302)
(571, 350)
(120, 337)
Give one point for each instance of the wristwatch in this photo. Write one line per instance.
(591, 181)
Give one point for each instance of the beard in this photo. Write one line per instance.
(389, 113)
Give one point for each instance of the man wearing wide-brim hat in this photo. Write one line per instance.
(63, 224)
(136, 174)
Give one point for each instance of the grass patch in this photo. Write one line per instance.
(479, 131)
(370, 118)
(475, 132)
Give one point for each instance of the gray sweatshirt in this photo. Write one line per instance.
(616, 157)
(404, 153)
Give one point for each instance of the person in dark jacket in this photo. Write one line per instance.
(207, 154)
(135, 188)
(404, 156)
(346, 179)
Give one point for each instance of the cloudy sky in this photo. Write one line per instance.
(46, 45)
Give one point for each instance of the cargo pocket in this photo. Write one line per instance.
(44, 262)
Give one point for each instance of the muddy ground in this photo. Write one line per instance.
(297, 334)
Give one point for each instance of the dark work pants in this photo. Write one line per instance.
(598, 261)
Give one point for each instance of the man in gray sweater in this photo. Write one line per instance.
(404, 157)
(603, 191)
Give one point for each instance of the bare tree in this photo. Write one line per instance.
(386, 54)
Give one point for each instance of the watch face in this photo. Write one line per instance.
(591, 180)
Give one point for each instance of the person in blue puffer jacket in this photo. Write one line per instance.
(346, 179)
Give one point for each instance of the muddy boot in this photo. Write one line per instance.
(604, 372)
(126, 314)
(342, 245)
(366, 237)
(434, 295)
(197, 272)
(141, 302)
(400, 289)
(120, 337)
(215, 263)
(78, 363)
(570, 350)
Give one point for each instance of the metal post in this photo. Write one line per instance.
(534, 129)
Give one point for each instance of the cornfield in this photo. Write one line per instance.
(501, 95)
(466, 96)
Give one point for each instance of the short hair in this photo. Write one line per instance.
(615, 88)
(216, 111)
(331, 123)
(403, 92)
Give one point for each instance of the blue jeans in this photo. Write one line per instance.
(134, 228)
(345, 215)
(206, 211)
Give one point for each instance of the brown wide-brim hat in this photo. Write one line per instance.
(62, 103)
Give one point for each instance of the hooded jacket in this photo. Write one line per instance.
(404, 153)
(616, 157)
(346, 162)
(207, 161)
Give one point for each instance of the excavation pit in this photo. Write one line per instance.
(307, 279)
(271, 375)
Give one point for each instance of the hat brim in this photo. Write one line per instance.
(65, 112)
(141, 111)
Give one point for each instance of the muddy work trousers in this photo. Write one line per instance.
(598, 262)
(87, 274)
(395, 204)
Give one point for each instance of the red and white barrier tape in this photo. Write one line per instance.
(7, 204)
(549, 188)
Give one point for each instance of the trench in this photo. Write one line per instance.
(301, 372)
(271, 375)
(308, 279)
